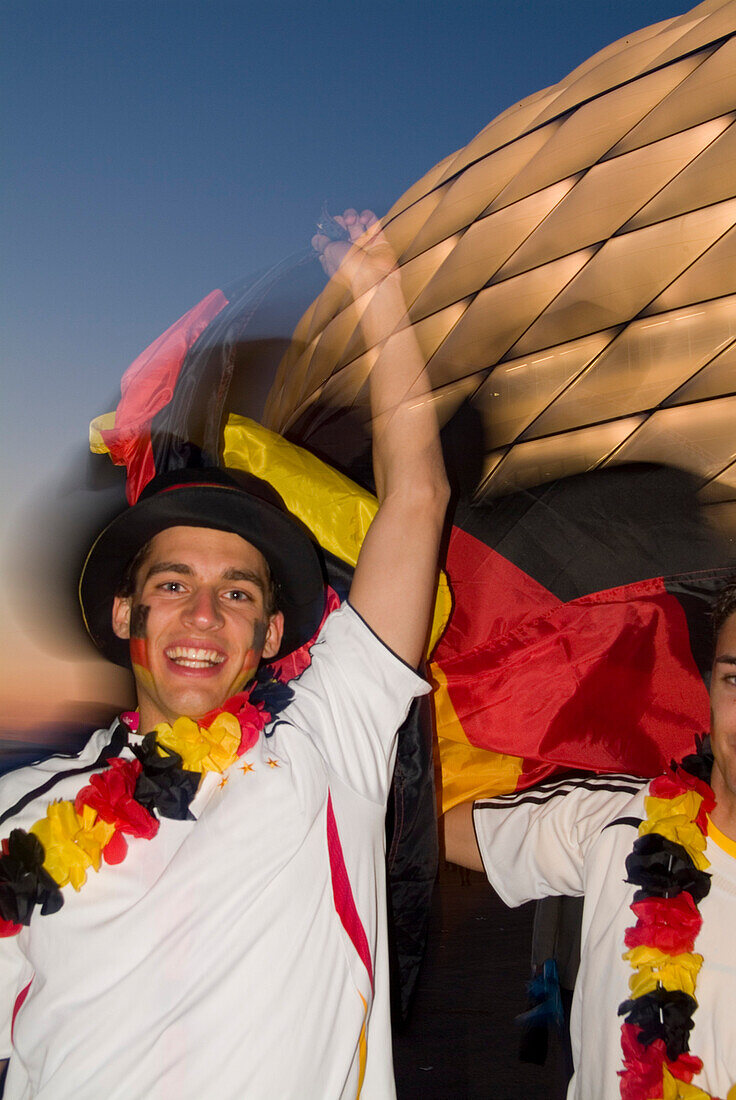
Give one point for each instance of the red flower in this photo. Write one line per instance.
(670, 924)
(116, 849)
(252, 718)
(685, 1068)
(641, 1077)
(110, 793)
(667, 786)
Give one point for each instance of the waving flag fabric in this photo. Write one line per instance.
(580, 636)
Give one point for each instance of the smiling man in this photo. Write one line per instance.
(653, 1009)
(195, 906)
(199, 617)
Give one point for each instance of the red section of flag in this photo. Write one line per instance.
(147, 387)
(606, 682)
(490, 594)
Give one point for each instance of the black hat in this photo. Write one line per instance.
(226, 501)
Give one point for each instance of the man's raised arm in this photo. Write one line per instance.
(395, 579)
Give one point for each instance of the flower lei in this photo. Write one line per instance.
(668, 864)
(127, 799)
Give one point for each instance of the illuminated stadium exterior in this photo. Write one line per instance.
(572, 272)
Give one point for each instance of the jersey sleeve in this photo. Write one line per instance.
(534, 843)
(352, 700)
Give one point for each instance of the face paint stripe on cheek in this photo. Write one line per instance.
(252, 657)
(138, 643)
(143, 677)
(247, 672)
(138, 620)
(260, 633)
(139, 652)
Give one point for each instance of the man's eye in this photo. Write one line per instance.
(171, 586)
(239, 595)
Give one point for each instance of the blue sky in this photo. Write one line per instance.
(153, 151)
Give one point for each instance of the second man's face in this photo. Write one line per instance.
(198, 624)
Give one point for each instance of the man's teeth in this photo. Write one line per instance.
(194, 658)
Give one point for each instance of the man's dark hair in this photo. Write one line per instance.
(725, 606)
(126, 587)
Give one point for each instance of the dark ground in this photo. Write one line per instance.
(461, 1041)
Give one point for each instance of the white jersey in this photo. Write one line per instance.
(242, 954)
(572, 837)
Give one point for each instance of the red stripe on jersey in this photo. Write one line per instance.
(343, 893)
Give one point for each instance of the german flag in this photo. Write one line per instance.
(580, 636)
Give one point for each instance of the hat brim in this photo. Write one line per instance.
(287, 547)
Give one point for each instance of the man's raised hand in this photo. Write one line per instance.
(362, 260)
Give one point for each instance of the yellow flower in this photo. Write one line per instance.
(202, 750)
(652, 968)
(224, 736)
(71, 843)
(185, 738)
(674, 1089)
(674, 818)
(686, 804)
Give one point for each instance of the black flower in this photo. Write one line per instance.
(163, 785)
(700, 763)
(24, 883)
(663, 869)
(270, 690)
(663, 1014)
